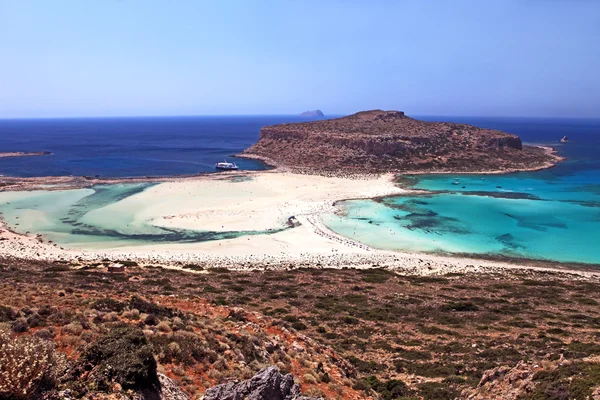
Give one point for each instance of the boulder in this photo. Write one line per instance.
(268, 384)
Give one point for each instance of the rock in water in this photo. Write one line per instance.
(268, 384)
(315, 113)
(381, 141)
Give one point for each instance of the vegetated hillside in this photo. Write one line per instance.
(343, 334)
(91, 334)
(379, 140)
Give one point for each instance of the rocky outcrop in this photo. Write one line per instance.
(378, 140)
(315, 113)
(269, 384)
(503, 382)
(549, 378)
(169, 390)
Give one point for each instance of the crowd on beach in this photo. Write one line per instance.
(323, 232)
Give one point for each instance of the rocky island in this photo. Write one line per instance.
(24, 153)
(315, 113)
(390, 141)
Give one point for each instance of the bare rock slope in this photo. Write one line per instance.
(269, 384)
(379, 140)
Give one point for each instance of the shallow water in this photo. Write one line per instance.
(95, 218)
(460, 223)
(551, 215)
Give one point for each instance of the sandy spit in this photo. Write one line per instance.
(261, 201)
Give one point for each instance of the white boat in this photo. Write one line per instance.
(226, 166)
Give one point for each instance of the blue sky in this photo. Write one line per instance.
(435, 57)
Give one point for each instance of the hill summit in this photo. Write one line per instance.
(385, 141)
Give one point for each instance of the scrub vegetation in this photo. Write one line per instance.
(343, 333)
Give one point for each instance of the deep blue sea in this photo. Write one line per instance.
(122, 147)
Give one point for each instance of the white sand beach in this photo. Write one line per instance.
(261, 201)
(257, 201)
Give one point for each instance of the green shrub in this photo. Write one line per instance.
(365, 366)
(7, 314)
(20, 325)
(460, 306)
(108, 305)
(122, 356)
(388, 390)
(151, 308)
(376, 275)
(74, 328)
(437, 391)
(426, 369)
(151, 320)
(299, 326)
(583, 349)
(190, 349)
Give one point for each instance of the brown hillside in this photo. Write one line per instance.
(379, 140)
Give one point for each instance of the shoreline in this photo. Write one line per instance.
(311, 244)
(406, 263)
(361, 257)
(547, 165)
(11, 183)
(549, 151)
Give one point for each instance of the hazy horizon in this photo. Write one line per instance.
(134, 58)
(327, 116)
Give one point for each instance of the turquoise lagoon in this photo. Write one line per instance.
(547, 215)
(553, 214)
(86, 218)
(487, 224)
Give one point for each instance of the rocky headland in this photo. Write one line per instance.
(24, 153)
(390, 141)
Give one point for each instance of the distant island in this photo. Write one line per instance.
(315, 113)
(24, 153)
(390, 141)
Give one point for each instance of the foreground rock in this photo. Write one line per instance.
(376, 141)
(269, 384)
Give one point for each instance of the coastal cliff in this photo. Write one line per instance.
(377, 140)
